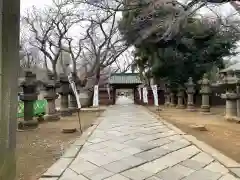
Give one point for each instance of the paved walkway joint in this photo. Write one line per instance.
(131, 144)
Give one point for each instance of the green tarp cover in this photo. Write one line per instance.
(39, 108)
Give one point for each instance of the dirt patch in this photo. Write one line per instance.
(220, 134)
(38, 149)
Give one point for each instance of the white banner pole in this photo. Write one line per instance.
(155, 94)
(139, 92)
(108, 90)
(95, 97)
(145, 95)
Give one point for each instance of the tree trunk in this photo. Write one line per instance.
(45, 64)
(54, 72)
(74, 67)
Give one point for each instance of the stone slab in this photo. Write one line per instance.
(236, 171)
(228, 177)
(80, 165)
(226, 161)
(217, 167)
(137, 174)
(135, 145)
(58, 168)
(98, 174)
(117, 177)
(203, 174)
(196, 165)
(72, 151)
(175, 173)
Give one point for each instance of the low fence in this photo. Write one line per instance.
(38, 110)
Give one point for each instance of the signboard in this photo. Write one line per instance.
(38, 108)
(155, 94)
(95, 97)
(145, 95)
(139, 92)
(73, 86)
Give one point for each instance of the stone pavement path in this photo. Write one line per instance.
(130, 144)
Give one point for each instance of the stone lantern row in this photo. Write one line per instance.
(30, 95)
(190, 90)
(230, 82)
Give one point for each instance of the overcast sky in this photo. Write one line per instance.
(28, 3)
(225, 9)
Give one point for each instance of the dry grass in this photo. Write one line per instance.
(38, 149)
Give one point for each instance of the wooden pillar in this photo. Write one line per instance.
(135, 95)
(114, 95)
(9, 68)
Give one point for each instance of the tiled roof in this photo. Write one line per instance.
(125, 78)
(234, 67)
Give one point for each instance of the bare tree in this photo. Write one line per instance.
(29, 56)
(104, 44)
(49, 27)
(74, 49)
(124, 62)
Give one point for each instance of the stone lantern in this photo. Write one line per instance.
(167, 95)
(29, 96)
(64, 91)
(229, 82)
(172, 98)
(180, 96)
(190, 92)
(50, 95)
(206, 92)
(238, 100)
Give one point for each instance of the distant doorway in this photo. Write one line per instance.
(124, 87)
(123, 100)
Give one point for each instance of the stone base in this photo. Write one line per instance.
(180, 107)
(172, 105)
(232, 118)
(65, 112)
(73, 109)
(205, 110)
(32, 124)
(191, 108)
(51, 117)
(166, 104)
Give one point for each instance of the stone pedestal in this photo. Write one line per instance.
(29, 96)
(167, 96)
(238, 100)
(205, 91)
(205, 107)
(190, 93)
(64, 92)
(180, 96)
(172, 99)
(51, 96)
(231, 105)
